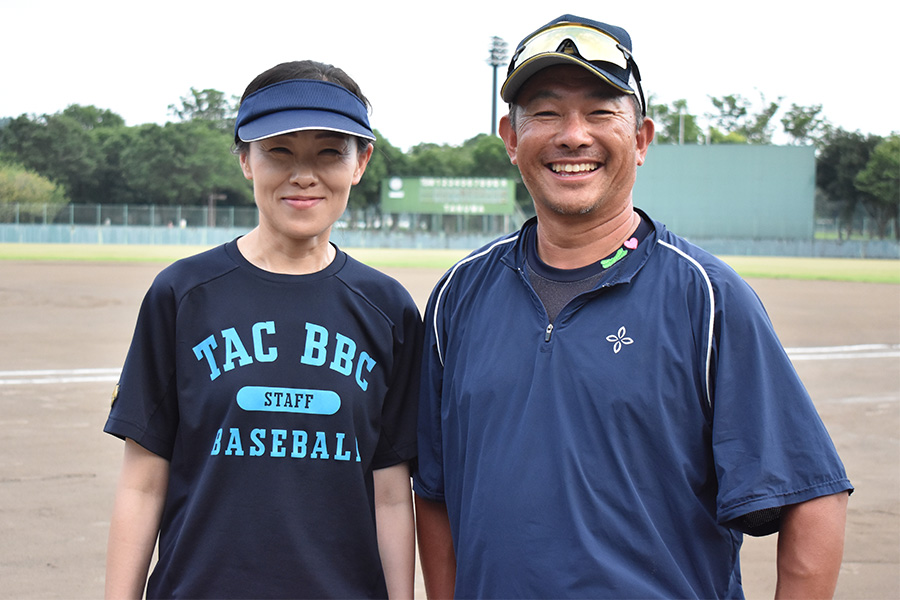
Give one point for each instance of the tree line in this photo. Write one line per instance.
(87, 155)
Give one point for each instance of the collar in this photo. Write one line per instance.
(515, 255)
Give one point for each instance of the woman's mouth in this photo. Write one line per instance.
(301, 201)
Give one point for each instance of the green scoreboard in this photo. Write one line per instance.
(448, 195)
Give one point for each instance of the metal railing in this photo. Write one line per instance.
(241, 218)
(144, 215)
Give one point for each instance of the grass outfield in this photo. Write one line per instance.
(829, 269)
(835, 269)
(377, 257)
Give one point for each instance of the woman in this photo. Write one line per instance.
(268, 398)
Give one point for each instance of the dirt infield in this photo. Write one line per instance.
(65, 328)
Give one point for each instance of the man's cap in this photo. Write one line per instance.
(300, 105)
(602, 49)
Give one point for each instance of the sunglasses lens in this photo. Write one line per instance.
(590, 44)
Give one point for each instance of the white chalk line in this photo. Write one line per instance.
(844, 352)
(60, 376)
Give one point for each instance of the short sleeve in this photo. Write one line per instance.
(770, 446)
(397, 442)
(428, 477)
(145, 402)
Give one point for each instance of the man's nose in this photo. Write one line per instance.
(575, 132)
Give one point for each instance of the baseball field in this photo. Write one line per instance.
(66, 318)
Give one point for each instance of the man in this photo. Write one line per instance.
(606, 409)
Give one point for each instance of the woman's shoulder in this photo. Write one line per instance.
(379, 287)
(189, 272)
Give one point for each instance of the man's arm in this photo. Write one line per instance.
(435, 548)
(811, 546)
(396, 529)
(134, 526)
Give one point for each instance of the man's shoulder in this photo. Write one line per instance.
(691, 256)
(483, 265)
(707, 271)
(487, 256)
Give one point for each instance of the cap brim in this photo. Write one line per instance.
(531, 66)
(289, 121)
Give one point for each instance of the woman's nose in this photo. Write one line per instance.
(303, 174)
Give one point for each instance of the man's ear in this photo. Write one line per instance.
(508, 135)
(644, 137)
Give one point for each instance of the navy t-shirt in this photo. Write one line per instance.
(274, 397)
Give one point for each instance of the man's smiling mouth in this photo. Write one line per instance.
(574, 168)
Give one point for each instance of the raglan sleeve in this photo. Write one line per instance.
(145, 400)
(428, 476)
(397, 442)
(771, 448)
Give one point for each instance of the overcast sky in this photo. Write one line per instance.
(423, 64)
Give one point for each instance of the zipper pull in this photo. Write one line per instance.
(548, 333)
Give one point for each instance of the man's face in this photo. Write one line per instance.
(576, 143)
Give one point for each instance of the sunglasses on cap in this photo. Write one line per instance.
(587, 43)
(591, 44)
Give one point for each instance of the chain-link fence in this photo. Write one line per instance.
(230, 217)
(198, 225)
(242, 218)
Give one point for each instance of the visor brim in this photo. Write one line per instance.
(289, 121)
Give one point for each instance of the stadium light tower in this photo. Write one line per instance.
(497, 58)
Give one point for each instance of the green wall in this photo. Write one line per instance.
(730, 191)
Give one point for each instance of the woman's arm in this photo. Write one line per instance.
(396, 529)
(134, 527)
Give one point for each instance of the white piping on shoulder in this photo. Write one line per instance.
(437, 302)
(712, 312)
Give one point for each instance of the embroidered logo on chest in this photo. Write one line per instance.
(619, 340)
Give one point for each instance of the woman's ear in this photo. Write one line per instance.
(362, 160)
(244, 157)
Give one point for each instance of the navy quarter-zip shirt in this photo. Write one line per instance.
(620, 451)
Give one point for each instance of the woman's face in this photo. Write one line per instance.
(301, 182)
